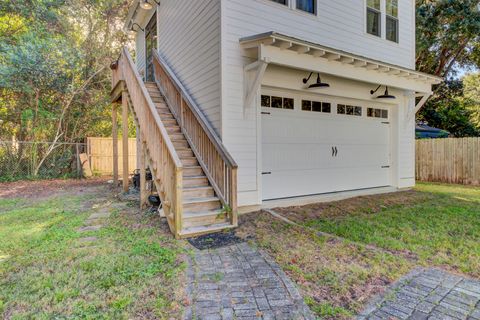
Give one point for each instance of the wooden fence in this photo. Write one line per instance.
(451, 160)
(100, 155)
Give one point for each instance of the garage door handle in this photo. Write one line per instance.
(266, 172)
(333, 151)
(336, 151)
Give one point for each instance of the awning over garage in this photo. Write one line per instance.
(279, 49)
(284, 50)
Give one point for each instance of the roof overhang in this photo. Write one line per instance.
(284, 50)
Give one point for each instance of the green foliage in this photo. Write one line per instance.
(448, 39)
(471, 92)
(448, 32)
(54, 76)
(450, 111)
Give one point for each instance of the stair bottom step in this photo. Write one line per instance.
(201, 230)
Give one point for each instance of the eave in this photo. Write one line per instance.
(278, 49)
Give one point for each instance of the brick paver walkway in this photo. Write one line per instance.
(428, 294)
(240, 282)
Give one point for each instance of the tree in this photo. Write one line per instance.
(448, 110)
(448, 39)
(448, 35)
(54, 75)
(471, 91)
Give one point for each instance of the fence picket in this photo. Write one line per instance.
(451, 160)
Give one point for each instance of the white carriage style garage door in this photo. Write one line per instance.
(319, 145)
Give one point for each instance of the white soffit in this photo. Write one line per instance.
(278, 48)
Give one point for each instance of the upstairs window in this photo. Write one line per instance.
(307, 6)
(392, 20)
(374, 17)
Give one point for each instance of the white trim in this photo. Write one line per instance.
(292, 5)
(398, 76)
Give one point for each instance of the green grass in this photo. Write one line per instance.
(132, 270)
(442, 230)
(384, 237)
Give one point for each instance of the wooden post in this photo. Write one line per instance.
(125, 140)
(143, 180)
(115, 144)
(79, 163)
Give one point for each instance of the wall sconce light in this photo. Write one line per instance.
(386, 95)
(132, 30)
(144, 4)
(317, 84)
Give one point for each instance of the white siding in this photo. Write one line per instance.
(189, 40)
(406, 145)
(340, 25)
(140, 52)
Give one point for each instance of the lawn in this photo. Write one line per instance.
(382, 237)
(134, 268)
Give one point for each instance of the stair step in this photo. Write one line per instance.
(157, 99)
(185, 153)
(172, 129)
(192, 171)
(198, 192)
(180, 143)
(166, 116)
(177, 136)
(162, 108)
(170, 123)
(195, 181)
(197, 231)
(194, 205)
(189, 161)
(204, 218)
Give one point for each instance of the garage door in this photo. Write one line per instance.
(313, 146)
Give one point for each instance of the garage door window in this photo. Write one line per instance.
(277, 102)
(349, 110)
(377, 113)
(316, 106)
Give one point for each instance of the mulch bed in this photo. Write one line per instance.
(215, 240)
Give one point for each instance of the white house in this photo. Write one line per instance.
(308, 96)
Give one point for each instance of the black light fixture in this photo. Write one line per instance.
(386, 95)
(132, 30)
(318, 84)
(145, 4)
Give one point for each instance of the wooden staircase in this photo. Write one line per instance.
(196, 178)
(203, 211)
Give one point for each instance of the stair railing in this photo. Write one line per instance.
(212, 155)
(167, 167)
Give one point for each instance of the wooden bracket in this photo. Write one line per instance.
(414, 108)
(258, 69)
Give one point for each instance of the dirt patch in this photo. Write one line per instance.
(366, 204)
(46, 188)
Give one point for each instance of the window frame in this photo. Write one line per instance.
(315, 8)
(293, 5)
(383, 21)
(380, 18)
(397, 23)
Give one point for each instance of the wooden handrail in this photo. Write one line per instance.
(216, 161)
(166, 165)
(198, 113)
(153, 110)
